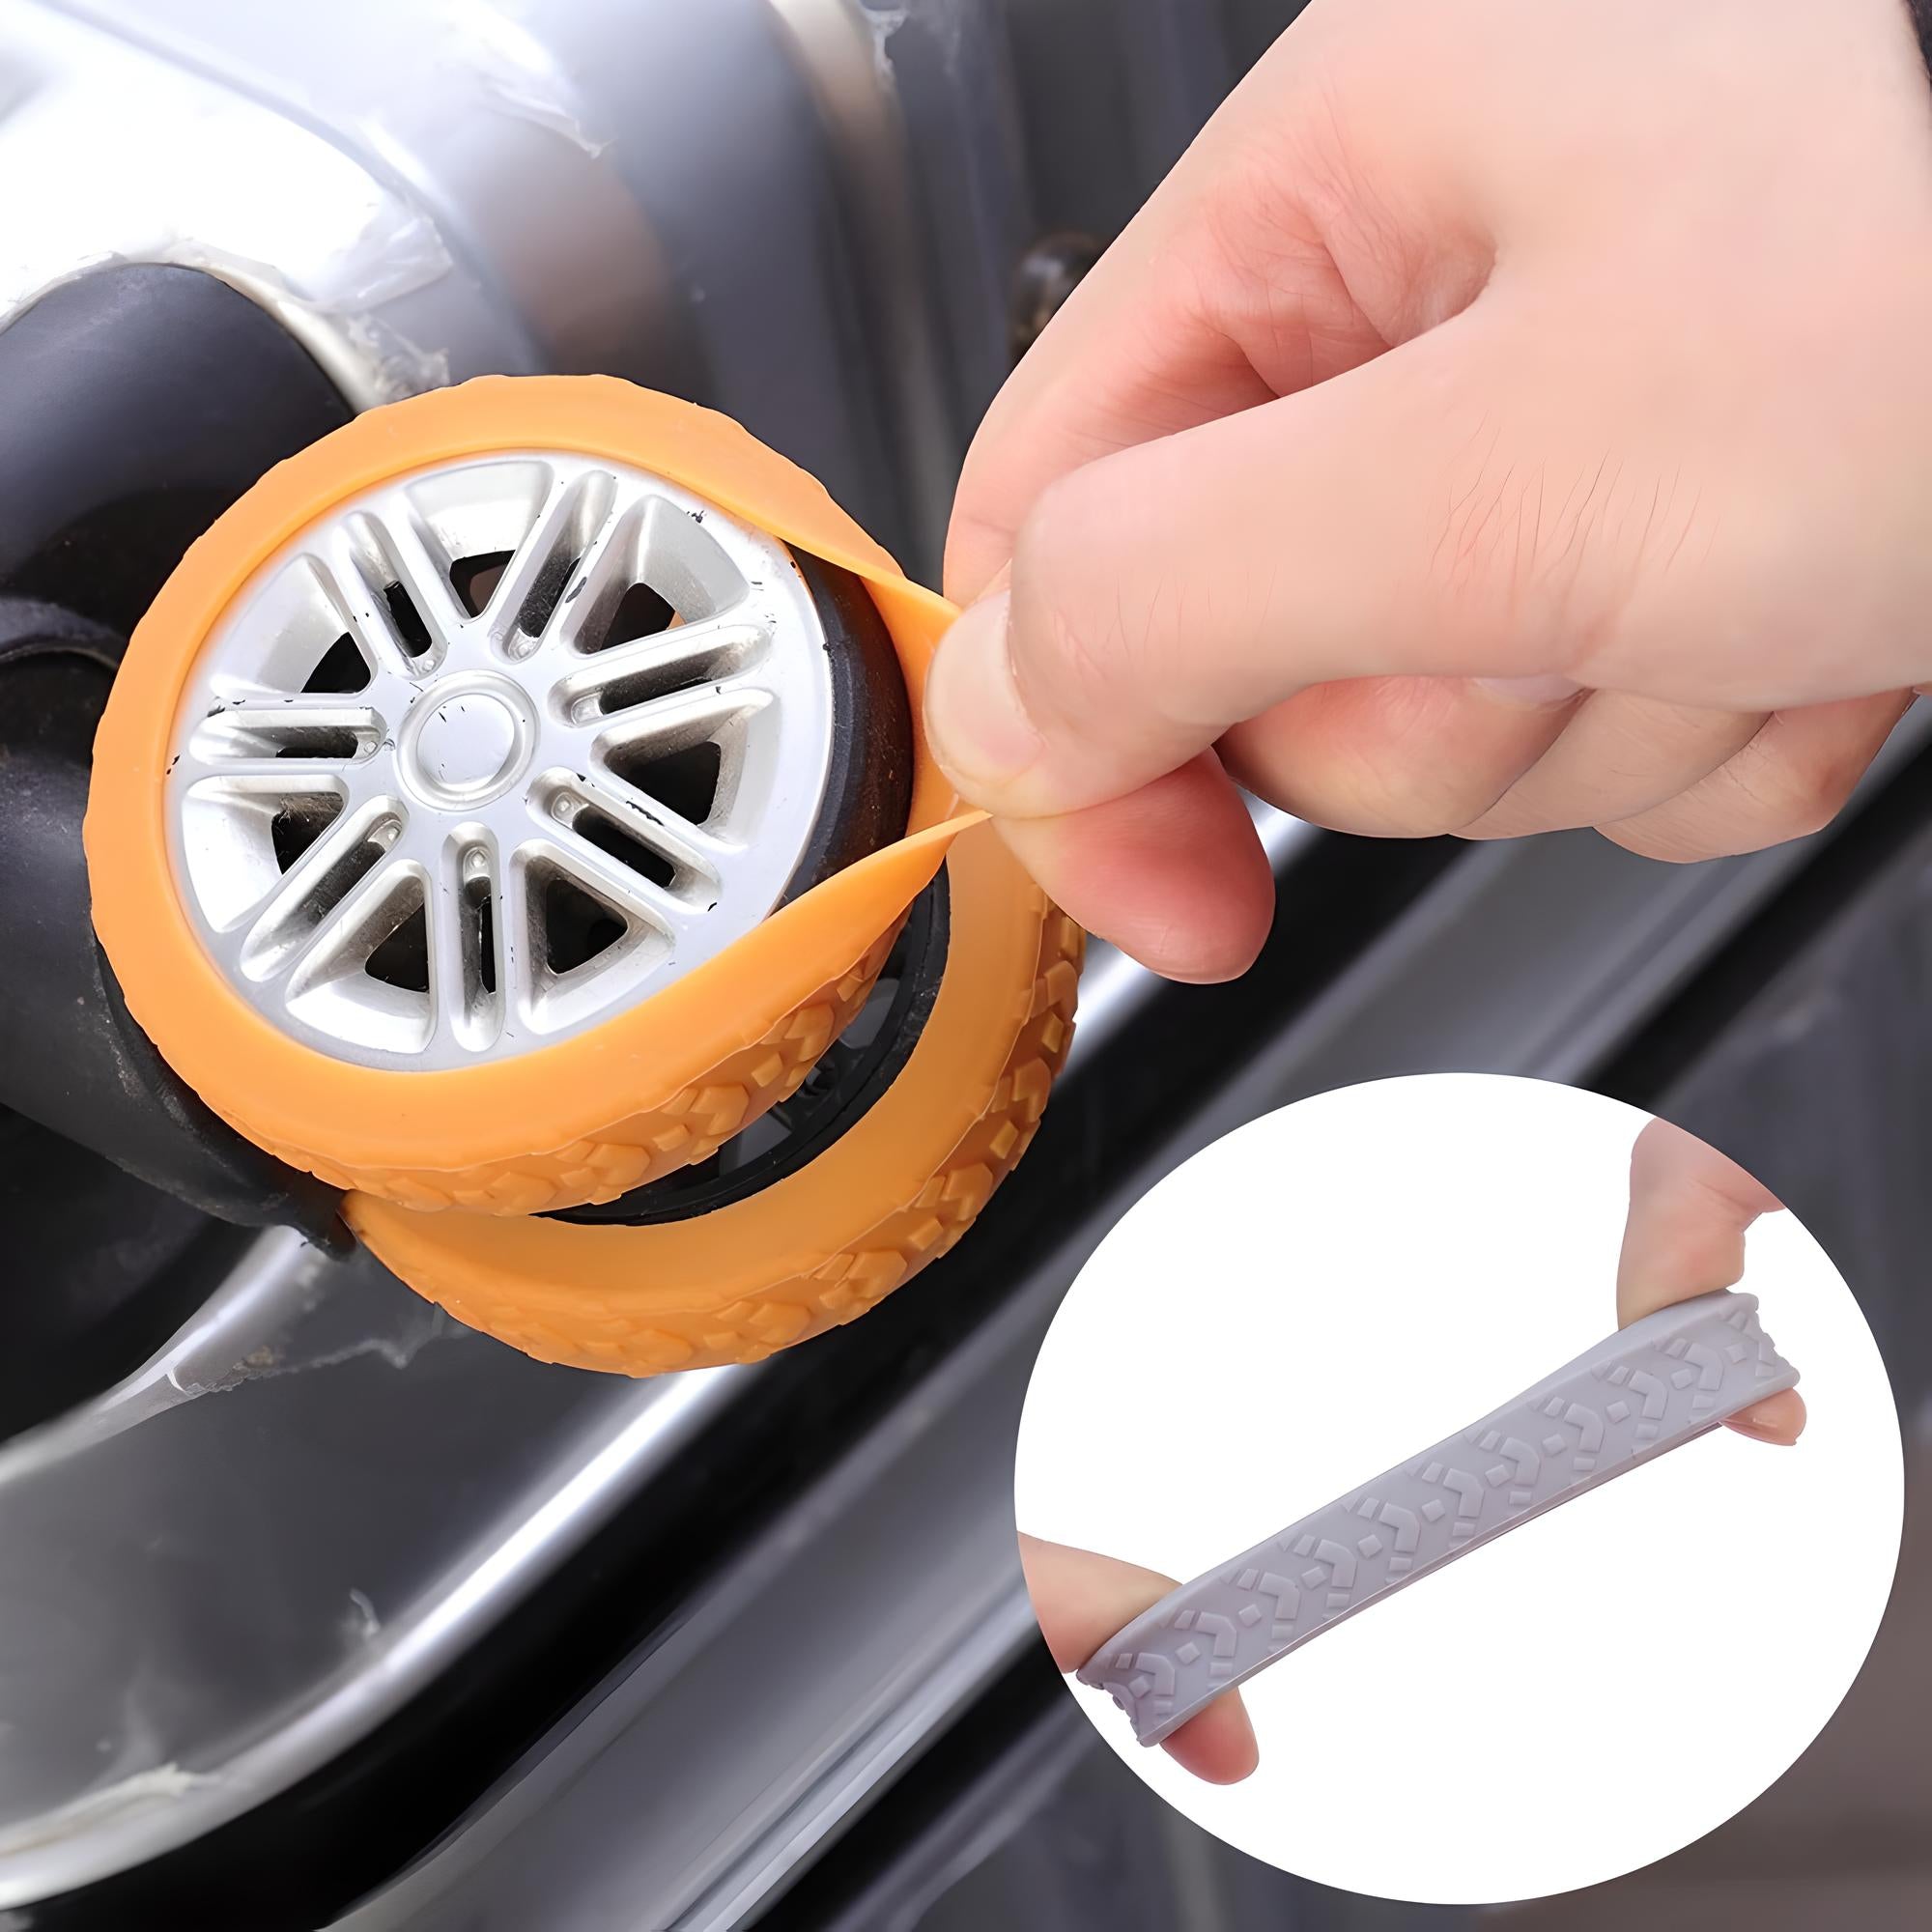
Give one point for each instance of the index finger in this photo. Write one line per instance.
(1220, 293)
(1689, 1209)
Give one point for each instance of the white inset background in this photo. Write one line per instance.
(1339, 1285)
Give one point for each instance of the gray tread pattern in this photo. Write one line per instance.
(1647, 1389)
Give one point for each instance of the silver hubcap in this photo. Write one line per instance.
(469, 746)
(493, 750)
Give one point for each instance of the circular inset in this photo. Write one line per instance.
(1418, 1391)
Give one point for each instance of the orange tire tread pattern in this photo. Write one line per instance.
(917, 1230)
(638, 1148)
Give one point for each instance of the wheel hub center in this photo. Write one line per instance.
(468, 740)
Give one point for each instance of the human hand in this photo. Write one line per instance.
(1081, 1598)
(1689, 1206)
(1505, 416)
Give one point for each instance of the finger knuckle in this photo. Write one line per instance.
(1387, 772)
(1792, 793)
(1416, 808)
(1659, 836)
(1387, 805)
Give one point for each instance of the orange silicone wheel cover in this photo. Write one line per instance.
(294, 1096)
(824, 1243)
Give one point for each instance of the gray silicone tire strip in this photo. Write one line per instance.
(1649, 1388)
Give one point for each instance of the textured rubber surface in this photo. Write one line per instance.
(690, 1126)
(821, 1245)
(1650, 1389)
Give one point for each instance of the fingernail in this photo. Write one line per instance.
(1534, 691)
(975, 721)
(1763, 1423)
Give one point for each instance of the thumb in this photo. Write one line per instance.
(1082, 1597)
(1689, 1208)
(1171, 589)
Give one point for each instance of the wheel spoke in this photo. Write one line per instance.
(448, 976)
(327, 889)
(609, 878)
(352, 929)
(677, 722)
(424, 576)
(533, 582)
(275, 737)
(609, 555)
(463, 985)
(371, 622)
(652, 823)
(715, 655)
(517, 938)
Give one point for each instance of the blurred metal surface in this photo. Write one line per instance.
(699, 198)
(813, 215)
(241, 1557)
